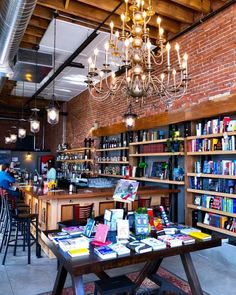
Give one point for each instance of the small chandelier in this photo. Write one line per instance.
(130, 117)
(53, 110)
(132, 49)
(34, 121)
(22, 132)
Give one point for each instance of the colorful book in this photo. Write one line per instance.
(186, 240)
(141, 224)
(188, 230)
(89, 227)
(139, 247)
(200, 236)
(170, 241)
(105, 252)
(101, 233)
(78, 252)
(58, 235)
(73, 230)
(123, 229)
(154, 243)
(117, 214)
(120, 249)
(73, 243)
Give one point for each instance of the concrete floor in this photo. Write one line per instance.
(216, 269)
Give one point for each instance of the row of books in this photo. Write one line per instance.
(219, 221)
(217, 203)
(152, 148)
(226, 143)
(216, 126)
(221, 167)
(213, 184)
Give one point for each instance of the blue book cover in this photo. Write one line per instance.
(89, 228)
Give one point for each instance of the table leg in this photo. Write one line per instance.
(60, 280)
(191, 274)
(78, 285)
(148, 269)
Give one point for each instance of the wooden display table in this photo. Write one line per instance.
(79, 266)
(57, 206)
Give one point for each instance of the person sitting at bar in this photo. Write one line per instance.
(51, 174)
(6, 181)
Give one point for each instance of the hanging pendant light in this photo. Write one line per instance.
(7, 139)
(130, 117)
(53, 110)
(34, 119)
(13, 135)
(21, 130)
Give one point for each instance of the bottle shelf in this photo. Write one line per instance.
(156, 141)
(211, 193)
(110, 162)
(220, 212)
(75, 161)
(211, 135)
(113, 149)
(111, 175)
(212, 175)
(158, 180)
(157, 154)
(82, 149)
(211, 153)
(220, 230)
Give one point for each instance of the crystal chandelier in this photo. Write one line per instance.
(132, 50)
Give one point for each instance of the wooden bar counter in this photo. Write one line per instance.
(57, 205)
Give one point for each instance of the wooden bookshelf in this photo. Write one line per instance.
(167, 181)
(156, 141)
(158, 154)
(211, 135)
(219, 212)
(82, 149)
(211, 153)
(76, 161)
(112, 149)
(212, 175)
(220, 230)
(115, 162)
(211, 193)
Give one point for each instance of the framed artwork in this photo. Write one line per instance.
(159, 170)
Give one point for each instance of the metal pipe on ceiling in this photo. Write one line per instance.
(14, 18)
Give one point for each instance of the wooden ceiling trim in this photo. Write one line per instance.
(27, 45)
(198, 5)
(30, 39)
(43, 12)
(39, 22)
(34, 31)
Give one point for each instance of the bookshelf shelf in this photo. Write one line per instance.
(157, 154)
(211, 135)
(211, 210)
(155, 141)
(110, 162)
(220, 230)
(212, 175)
(211, 153)
(112, 149)
(82, 149)
(158, 180)
(211, 193)
(75, 161)
(111, 175)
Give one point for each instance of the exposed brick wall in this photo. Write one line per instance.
(212, 64)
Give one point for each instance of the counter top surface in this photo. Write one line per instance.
(92, 192)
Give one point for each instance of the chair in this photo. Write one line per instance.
(116, 285)
(15, 222)
(144, 202)
(80, 216)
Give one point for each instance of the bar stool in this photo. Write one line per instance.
(16, 222)
(116, 285)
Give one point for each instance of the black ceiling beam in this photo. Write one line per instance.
(70, 59)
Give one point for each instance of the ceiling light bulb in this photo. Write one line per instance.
(13, 137)
(90, 60)
(111, 25)
(158, 20)
(177, 47)
(34, 125)
(7, 139)
(162, 77)
(122, 17)
(161, 32)
(185, 57)
(53, 115)
(21, 132)
(106, 46)
(96, 51)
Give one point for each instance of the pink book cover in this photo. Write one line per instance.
(101, 233)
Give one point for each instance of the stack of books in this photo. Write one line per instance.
(78, 246)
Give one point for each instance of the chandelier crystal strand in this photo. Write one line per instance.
(132, 50)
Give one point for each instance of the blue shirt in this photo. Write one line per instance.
(6, 180)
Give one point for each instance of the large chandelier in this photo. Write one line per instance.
(132, 49)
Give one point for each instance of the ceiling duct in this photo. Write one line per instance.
(26, 69)
(14, 17)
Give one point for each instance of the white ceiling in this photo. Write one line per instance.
(70, 82)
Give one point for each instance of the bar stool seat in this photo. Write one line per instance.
(116, 285)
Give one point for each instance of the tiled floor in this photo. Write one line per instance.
(216, 269)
